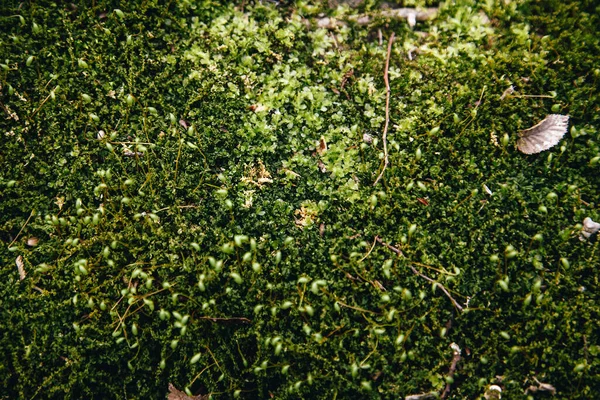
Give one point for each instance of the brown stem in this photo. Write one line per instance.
(232, 319)
(455, 360)
(23, 227)
(416, 272)
(392, 248)
(387, 107)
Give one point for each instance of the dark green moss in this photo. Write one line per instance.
(211, 194)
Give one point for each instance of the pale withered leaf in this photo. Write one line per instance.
(321, 146)
(589, 228)
(175, 394)
(21, 267)
(546, 134)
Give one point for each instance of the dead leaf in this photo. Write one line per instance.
(175, 394)
(322, 166)
(32, 241)
(60, 202)
(321, 146)
(257, 108)
(589, 228)
(542, 387)
(257, 175)
(493, 392)
(21, 267)
(546, 134)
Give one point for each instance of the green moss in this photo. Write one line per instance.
(222, 232)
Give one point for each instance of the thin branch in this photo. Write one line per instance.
(232, 319)
(200, 373)
(392, 248)
(387, 107)
(42, 104)
(455, 360)
(416, 272)
(540, 96)
(422, 396)
(178, 155)
(341, 303)
(180, 207)
(411, 15)
(23, 227)
(370, 250)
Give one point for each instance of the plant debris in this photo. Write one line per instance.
(493, 392)
(21, 267)
(541, 387)
(589, 228)
(175, 394)
(544, 135)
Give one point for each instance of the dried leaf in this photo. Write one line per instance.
(21, 267)
(493, 392)
(542, 387)
(175, 394)
(589, 228)
(322, 146)
(487, 189)
(322, 166)
(257, 108)
(32, 241)
(546, 134)
(60, 202)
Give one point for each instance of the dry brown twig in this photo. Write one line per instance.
(442, 287)
(23, 227)
(422, 396)
(434, 395)
(392, 248)
(231, 319)
(455, 360)
(387, 107)
(175, 394)
(411, 15)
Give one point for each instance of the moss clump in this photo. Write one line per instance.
(199, 177)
